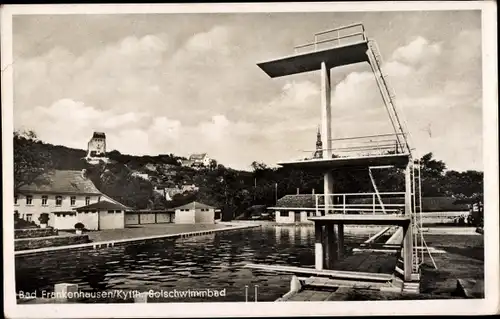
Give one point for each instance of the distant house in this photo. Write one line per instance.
(195, 213)
(189, 188)
(292, 209)
(200, 159)
(150, 167)
(196, 161)
(141, 175)
(59, 193)
(59, 190)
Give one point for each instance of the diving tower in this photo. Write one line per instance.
(331, 49)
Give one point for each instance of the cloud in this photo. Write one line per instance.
(440, 104)
(416, 52)
(171, 93)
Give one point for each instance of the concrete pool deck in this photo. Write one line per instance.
(112, 237)
(463, 261)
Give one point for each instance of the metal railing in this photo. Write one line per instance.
(356, 30)
(370, 145)
(341, 202)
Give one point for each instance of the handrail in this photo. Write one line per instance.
(358, 209)
(366, 205)
(366, 136)
(342, 28)
(327, 40)
(361, 194)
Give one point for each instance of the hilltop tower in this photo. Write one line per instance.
(97, 145)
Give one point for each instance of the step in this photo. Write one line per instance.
(355, 275)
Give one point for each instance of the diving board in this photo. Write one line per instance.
(333, 57)
(354, 275)
(369, 219)
(397, 160)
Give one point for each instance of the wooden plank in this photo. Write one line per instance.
(324, 272)
(377, 235)
(334, 283)
(396, 238)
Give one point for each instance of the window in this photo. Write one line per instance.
(29, 200)
(87, 201)
(44, 200)
(58, 200)
(29, 217)
(285, 214)
(15, 200)
(73, 200)
(111, 211)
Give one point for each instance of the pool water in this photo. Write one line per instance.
(214, 261)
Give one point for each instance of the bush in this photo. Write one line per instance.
(44, 218)
(79, 226)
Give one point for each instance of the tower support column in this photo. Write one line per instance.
(330, 239)
(326, 131)
(340, 240)
(408, 231)
(318, 246)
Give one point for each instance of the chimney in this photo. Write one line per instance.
(313, 191)
(298, 191)
(84, 173)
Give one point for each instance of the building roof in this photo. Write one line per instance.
(195, 205)
(99, 135)
(61, 182)
(297, 201)
(197, 156)
(104, 205)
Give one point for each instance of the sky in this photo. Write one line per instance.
(189, 83)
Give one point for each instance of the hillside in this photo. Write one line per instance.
(124, 178)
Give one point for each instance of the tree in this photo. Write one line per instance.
(31, 160)
(432, 176)
(213, 164)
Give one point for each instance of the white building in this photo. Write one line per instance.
(194, 213)
(141, 175)
(291, 209)
(60, 193)
(199, 160)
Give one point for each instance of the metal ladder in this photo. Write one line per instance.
(418, 239)
(416, 200)
(388, 95)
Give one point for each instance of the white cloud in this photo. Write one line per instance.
(157, 93)
(418, 51)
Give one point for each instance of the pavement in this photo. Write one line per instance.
(138, 231)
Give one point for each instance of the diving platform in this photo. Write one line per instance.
(397, 160)
(333, 48)
(311, 61)
(368, 219)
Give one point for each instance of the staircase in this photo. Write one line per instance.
(388, 96)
